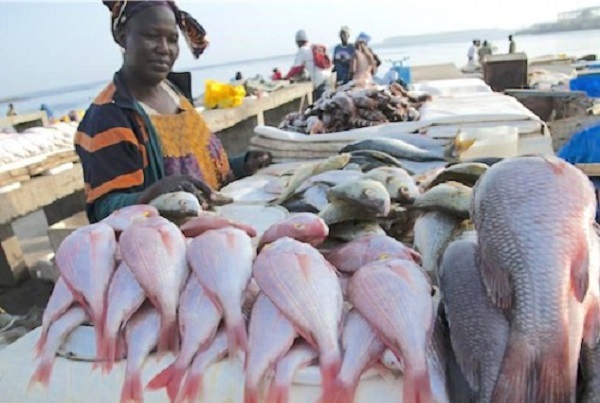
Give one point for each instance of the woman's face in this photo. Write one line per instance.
(151, 44)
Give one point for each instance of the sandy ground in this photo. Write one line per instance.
(32, 233)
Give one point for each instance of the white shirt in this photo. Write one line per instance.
(471, 53)
(304, 57)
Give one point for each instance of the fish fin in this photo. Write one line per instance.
(417, 386)
(132, 389)
(42, 373)
(39, 346)
(191, 389)
(251, 396)
(555, 384)
(329, 372)
(174, 385)
(340, 393)
(107, 352)
(497, 283)
(169, 338)
(162, 379)
(591, 330)
(580, 277)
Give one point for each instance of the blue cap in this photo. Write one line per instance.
(362, 37)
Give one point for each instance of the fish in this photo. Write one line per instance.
(590, 368)
(155, 252)
(225, 276)
(204, 359)
(120, 219)
(399, 184)
(341, 211)
(301, 355)
(377, 292)
(450, 197)
(432, 232)
(177, 205)
(466, 173)
(391, 362)
(198, 319)
(86, 262)
(250, 296)
(206, 222)
(489, 161)
(316, 197)
(478, 328)
(330, 178)
(304, 227)
(299, 206)
(396, 148)
(60, 301)
(306, 171)
(306, 289)
(367, 194)
(354, 255)
(141, 335)
(535, 263)
(420, 140)
(352, 230)
(368, 160)
(271, 335)
(58, 332)
(362, 349)
(422, 180)
(437, 360)
(125, 297)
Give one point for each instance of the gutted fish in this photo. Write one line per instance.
(60, 301)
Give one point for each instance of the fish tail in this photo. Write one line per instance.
(237, 336)
(42, 373)
(169, 337)
(516, 380)
(251, 395)
(329, 372)
(556, 384)
(174, 385)
(591, 330)
(417, 386)
(107, 352)
(100, 340)
(340, 393)
(39, 346)
(191, 389)
(132, 389)
(162, 379)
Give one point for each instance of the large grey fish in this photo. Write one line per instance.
(478, 329)
(437, 361)
(371, 159)
(342, 211)
(533, 231)
(466, 173)
(331, 178)
(432, 232)
(590, 368)
(352, 230)
(370, 195)
(316, 196)
(450, 197)
(396, 148)
(399, 184)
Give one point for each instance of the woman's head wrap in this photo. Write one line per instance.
(123, 10)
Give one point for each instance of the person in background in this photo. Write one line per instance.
(484, 51)
(238, 77)
(48, 111)
(11, 110)
(473, 50)
(364, 63)
(512, 46)
(305, 63)
(342, 57)
(142, 137)
(276, 75)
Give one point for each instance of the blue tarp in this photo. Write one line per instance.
(584, 148)
(589, 83)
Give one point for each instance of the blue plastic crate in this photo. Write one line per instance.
(589, 83)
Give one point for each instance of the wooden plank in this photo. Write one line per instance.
(589, 169)
(16, 179)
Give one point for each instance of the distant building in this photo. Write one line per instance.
(583, 14)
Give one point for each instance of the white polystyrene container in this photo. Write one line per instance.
(73, 380)
(499, 141)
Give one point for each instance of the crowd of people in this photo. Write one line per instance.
(478, 51)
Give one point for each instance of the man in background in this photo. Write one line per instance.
(311, 59)
(512, 46)
(342, 57)
(11, 110)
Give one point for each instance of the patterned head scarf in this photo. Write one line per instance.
(123, 10)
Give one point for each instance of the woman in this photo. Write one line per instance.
(142, 137)
(364, 62)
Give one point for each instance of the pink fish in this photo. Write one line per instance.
(398, 304)
(125, 296)
(86, 261)
(304, 227)
(206, 222)
(362, 349)
(354, 255)
(271, 335)
(155, 251)
(57, 334)
(222, 261)
(252, 293)
(533, 235)
(203, 360)
(198, 322)
(300, 356)
(60, 301)
(306, 289)
(141, 334)
(120, 219)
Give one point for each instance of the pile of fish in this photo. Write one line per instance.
(351, 107)
(515, 259)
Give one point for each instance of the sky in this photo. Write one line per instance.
(49, 44)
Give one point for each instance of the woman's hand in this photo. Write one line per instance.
(179, 183)
(256, 160)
